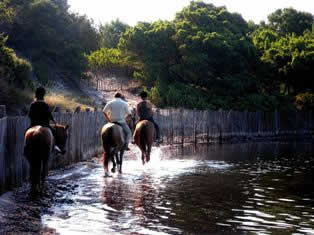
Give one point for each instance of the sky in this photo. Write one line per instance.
(132, 11)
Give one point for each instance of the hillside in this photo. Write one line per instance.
(205, 58)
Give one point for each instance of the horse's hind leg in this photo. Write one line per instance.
(149, 149)
(143, 150)
(106, 161)
(114, 162)
(120, 161)
(44, 172)
(35, 167)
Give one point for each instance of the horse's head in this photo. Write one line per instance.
(131, 120)
(61, 132)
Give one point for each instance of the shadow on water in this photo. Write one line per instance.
(258, 188)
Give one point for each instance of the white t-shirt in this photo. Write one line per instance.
(117, 110)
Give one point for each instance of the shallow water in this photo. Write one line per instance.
(260, 188)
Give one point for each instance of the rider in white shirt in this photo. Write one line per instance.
(116, 111)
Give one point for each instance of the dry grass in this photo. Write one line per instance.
(67, 102)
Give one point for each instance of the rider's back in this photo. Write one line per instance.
(39, 113)
(144, 110)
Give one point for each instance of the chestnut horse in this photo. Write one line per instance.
(113, 142)
(39, 143)
(144, 136)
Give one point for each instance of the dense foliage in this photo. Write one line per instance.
(51, 37)
(14, 72)
(205, 58)
(208, 57)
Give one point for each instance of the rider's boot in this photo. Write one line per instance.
(57, 150)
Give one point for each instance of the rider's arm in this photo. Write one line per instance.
(150, 108)
(31, 112)
(105, 110)
(107, 117)
(127, 111)
(50, 114)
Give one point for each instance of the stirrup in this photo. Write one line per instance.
(57, 149)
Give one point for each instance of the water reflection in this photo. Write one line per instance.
(260, 188)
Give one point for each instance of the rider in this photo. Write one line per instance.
(144, 110)
(39, 112)
(116, 111)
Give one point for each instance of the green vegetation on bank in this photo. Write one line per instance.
(206, 58)
(52, 42)
(210, 58)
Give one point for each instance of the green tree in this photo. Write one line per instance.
(13, 69)
(111, 33)
(292, 57)
(288, 20)
(49, 35)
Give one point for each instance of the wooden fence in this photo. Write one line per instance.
(177, 126)
(83, 142)
(193, 126)
(111, 84)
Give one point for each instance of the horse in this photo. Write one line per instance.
(144, 136)
(113, 142)
(39, 143)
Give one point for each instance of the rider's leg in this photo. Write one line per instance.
(156, 127)
(127, 134)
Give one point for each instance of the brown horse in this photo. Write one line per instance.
(39, 143)
(144, 136)
(113, 142)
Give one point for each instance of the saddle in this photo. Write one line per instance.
(119, 124)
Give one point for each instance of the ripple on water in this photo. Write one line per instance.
(176, 194)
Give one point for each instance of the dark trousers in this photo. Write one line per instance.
(155, 124)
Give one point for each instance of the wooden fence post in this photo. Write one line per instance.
(3, 112)
(182, 125)
(194, 127)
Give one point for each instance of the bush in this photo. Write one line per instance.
(304, 101)
(15, 70)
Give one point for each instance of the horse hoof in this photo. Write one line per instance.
(113, 170)
(120, 171)
(107, 175)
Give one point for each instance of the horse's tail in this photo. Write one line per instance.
(32, 143)
(107, 140)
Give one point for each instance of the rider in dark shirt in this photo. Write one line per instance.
(145, 112)
(39, 112)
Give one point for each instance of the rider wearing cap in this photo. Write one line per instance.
(40, 114)
(144, 110)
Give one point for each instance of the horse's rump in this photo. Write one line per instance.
(112, 137)
(38, 140)
(144, 133)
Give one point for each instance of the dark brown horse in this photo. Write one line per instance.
(39, 143)
(113, 142)
(144, 136)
